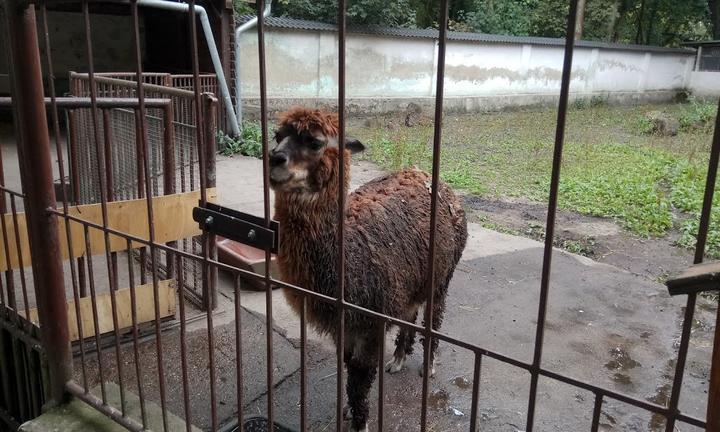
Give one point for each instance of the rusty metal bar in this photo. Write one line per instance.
(239, 357)
(266, 207)
(21, 264)
(170, 91)
(104, 168)
(104, 103)
(169, 175)
(105, 409)
(208, 146)
(183, 347)
(303, 366)
(552, 209)
(96, 320)
(475, 392)
(597, 410)
(142, 140)
(136, 347)
(340, 342)
(437, 142)
(713, 409)
(381, 376)
(61, 170)
(34, 150)
(688, 317)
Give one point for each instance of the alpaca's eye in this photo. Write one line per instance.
(315, 144)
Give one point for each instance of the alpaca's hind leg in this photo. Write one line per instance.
(403, 348)
(361, 371)
(438, 315)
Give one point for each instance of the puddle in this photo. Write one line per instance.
(623, 379)
(621, 360)
(462, 382)
(438, 399)
(661, 397)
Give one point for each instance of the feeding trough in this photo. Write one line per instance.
(245, 257)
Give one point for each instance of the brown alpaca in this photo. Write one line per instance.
(386, 244)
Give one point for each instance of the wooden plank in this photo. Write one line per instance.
(172, 216)
(145, 309)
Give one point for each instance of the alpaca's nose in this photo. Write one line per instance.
(277, 159)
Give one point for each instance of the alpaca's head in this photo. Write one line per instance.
(305, 155)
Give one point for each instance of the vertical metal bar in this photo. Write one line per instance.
(150, 218)
(303, 366)
(552, 209)
(135, 335)
(266, 207)
(103, 176)
(200, 105)
(210, 110)
(342, 27)
(109, 185)
(61, 171)
(9, 274)
(381, 375)
(183, 348)
(96, 319)
(703, 228)
(239, 355)
(169, 175)
(40, 196)
(713, 409)
(18, 250)
(597, 410)
(475, 392)
(437, 142)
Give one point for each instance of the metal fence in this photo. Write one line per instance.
(171, 142)
(44, 221)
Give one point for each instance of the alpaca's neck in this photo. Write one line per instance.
(308, 253)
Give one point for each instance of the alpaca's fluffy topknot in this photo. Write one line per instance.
(310, 120)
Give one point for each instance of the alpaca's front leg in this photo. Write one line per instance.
(360, 378)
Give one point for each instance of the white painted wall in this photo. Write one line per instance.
(303, 64)
(705, 84)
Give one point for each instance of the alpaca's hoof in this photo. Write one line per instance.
(395, 365)
(347, 414)
(432, 370)
(363, 429)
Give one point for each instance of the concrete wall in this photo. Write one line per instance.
(383, 72)
(705, 84)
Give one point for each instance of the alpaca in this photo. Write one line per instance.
(387, 233)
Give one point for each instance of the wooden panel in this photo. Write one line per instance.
(145, 309)
(172, 215)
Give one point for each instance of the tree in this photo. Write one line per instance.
(714, 6)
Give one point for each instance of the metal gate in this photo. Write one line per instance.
(57, 236)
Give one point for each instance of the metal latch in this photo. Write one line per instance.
(238, 226)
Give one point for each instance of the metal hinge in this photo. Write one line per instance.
(238, 226)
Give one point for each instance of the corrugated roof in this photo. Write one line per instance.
(298, 24)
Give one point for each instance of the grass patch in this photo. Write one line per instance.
(249, 143)
(610, 167)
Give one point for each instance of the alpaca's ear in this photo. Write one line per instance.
(354, 145)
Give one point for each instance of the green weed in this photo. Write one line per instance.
(249, 143)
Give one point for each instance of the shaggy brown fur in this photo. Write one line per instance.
(386, 252)
(310, 120)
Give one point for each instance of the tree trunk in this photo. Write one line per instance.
(715, 17)
(620, 11)
(641, 15)
(651, 22)
(580, 20)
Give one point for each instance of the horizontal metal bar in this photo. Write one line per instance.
(97, 403)
(170, 91)
(11, 192)
(82, 102)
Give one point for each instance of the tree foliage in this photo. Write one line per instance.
(655, 22)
